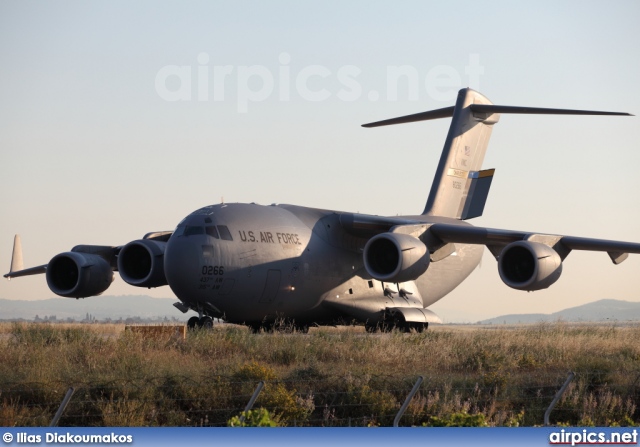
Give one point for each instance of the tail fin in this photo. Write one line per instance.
(460, 188)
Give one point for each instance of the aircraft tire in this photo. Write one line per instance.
(403, 327)
(371, 328)
(206, 323)
(397, 322)
(193, 323)
(420, 327)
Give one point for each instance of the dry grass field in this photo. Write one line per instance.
(501, 376)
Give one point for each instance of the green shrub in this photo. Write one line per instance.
(458, 420)
(253, 418)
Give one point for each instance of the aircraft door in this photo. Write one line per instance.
(271, 287)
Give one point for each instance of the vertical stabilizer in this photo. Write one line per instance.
(459, 187)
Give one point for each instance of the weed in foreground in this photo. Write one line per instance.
(327, 377)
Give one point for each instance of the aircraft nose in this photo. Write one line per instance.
(182, 266)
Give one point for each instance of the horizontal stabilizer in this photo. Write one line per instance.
(447, 112)
(493, 108)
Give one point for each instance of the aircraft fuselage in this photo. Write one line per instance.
(250, 263)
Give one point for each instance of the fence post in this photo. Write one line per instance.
(396, 421)
(557, 398)
(256, 393)
(62, 407)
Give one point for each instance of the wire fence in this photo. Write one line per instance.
(601, 398)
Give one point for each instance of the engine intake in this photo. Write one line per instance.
(393, 257)
(78, 275)
(141, 263)
(529, 265)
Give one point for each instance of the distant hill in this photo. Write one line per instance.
(99, 307)
(598, 311)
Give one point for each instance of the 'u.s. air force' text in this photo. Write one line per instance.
(266, 237)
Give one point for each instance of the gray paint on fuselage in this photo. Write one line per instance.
(317, 259)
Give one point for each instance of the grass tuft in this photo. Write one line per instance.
(330, 377)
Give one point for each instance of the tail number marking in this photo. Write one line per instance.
(212, 270)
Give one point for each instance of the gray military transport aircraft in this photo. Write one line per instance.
(259, 265)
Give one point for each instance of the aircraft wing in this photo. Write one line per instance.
(440, 231)
(27, 272)
(364, 225)
(496, 239)
(107, 253)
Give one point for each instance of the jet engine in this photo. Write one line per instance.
(78, 275)
(393, 257)
(141, 263)
(529, 265)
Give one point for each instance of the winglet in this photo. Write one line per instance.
(17, 267)
(16, 258)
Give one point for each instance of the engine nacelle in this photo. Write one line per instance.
(529, 265)
(78, 275)
(141, 263)
(394, 257)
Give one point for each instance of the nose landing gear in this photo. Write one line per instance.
(200, 322)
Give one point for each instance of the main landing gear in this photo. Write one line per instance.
(279, 327)
(404, 328)
(389, 325)
(197, 322)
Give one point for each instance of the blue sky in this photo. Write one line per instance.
(91, 152)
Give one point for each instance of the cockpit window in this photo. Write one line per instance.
(225, 234)
(219, 232)
(212, 231)
(193, 230)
